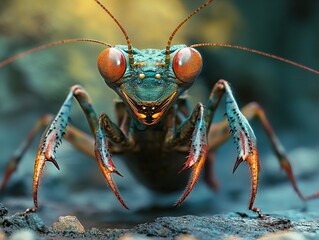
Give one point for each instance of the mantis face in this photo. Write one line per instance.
(149, 86)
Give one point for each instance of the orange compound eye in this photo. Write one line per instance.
(187, 64)
(111, 64)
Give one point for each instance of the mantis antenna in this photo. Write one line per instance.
(168, 45)
(129, 45)
(52, 44)
(44, 46)
(225, 45)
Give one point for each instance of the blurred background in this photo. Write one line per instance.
(39, 83)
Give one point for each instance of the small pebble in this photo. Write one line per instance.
(283, 235)
(68, 224)
(2, 235)
(23, 234)
(233, 238)
(95, 232)
(134, 237)
(185, 237)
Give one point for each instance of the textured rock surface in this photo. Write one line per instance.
(284, 225)
(13, 223)
(230, 225)
(68, 224)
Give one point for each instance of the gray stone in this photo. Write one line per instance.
(95, 231)
(68, 224)
(134, 237)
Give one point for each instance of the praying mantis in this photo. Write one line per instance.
(155, 130)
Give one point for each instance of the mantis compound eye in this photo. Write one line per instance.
(187, 64)
(111, 64)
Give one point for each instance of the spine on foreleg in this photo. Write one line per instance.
(53, 136)
(246, 142)
(240, 129)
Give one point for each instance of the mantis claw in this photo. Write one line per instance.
(196, 170)
(108, 177)
(107, 172)
(55, 163)
(43, 156)
(237, 163)
(185, 166)
(38, 167)
(49, 142)
(104, 159)
(197, 155)
(246, 142)
(117, 172)
(254, 167)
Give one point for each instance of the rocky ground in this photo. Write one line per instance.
(284, 225)
(82, 208)
(38, 85)
(78, 190)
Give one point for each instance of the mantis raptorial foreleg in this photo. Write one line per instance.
(100, 128)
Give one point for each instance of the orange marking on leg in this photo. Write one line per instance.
(254, 171)
(196, 170)
(107, 174)
(38, 167)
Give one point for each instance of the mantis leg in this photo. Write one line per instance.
(197, 126)
(312, 196)
(52, 138)
(220, 133)
(242, 133)
(14, 161)
(76, 137)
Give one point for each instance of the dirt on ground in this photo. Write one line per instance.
(283, 225)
